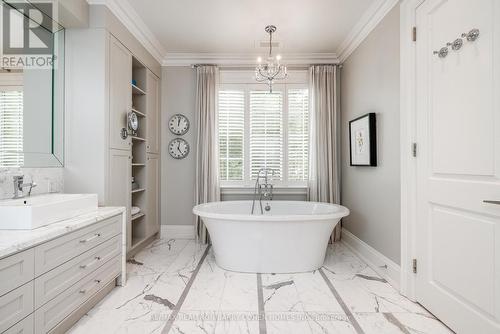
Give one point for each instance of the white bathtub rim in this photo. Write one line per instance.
(340, 212)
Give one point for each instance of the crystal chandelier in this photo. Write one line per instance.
(272, 69)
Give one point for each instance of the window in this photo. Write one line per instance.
(258, 129)
(11, 128)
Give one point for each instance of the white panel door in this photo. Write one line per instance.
(458, 165)
(120, 183)
(153, 114)
(120, 92)
(153, 193)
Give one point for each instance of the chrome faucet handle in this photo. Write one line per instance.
(32, 185)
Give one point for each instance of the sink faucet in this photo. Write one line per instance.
(263, 189)
(19, 185)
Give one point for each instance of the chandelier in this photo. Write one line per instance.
(272, 69)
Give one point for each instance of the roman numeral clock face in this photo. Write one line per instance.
(178, 124)
(178, 148)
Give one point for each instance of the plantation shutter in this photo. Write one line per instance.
(11, 128)
(266, 133)
(298, 134)
(231, 134)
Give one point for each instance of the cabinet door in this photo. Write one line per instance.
(120, 89)
(120, 183)
(153, 193)
(153, 114)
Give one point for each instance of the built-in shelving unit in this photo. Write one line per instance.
(139, 230)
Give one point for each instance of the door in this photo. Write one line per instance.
(153, 114)
(120, 93)
(458, 164)
(120, 183)
(153, 193)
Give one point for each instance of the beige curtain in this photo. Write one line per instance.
(207, 155)
(324, 182)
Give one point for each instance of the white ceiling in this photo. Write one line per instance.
(237, 26)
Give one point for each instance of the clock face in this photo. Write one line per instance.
(133, 121)
(178, 148)
(178, 124)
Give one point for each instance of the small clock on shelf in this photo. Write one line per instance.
(178, 148)
(178, 124)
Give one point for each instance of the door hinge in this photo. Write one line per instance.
(414, 34)
(414, 149)
(414, 266)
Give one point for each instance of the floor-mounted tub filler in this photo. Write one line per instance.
(291, 237)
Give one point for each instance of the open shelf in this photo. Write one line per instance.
(139, 114)
(137, 216)
(137, 91)
(138, 165)
(140, 190)
(138, 138)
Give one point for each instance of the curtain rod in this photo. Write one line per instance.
(250, 67)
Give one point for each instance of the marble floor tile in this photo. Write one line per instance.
(181, 278)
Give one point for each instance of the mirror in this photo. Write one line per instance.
(31, 87)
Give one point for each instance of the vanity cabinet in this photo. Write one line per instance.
(107, 78)
(46, 287)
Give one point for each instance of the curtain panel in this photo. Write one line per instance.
(324, 178)
(207, 155)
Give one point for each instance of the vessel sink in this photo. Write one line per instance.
(36, 211)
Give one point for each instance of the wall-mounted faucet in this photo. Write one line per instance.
(19, 185)
(263, 189)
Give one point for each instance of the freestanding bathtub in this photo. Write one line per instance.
(291, 237)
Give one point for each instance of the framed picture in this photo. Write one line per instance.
(363, 140)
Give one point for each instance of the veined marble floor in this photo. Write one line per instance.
(174, 286)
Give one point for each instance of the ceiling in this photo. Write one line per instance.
(237, 26)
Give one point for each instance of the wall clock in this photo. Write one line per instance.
(178, 124)
(178, 148)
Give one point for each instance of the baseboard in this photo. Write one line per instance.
(177, 231)
(373, 258)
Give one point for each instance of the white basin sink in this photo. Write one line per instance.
(32, 212)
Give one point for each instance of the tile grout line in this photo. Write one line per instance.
(346, 309)
(184, 294)
(395, 321)
(260, 299)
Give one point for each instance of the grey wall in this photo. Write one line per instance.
(177, 189)
(370, 83)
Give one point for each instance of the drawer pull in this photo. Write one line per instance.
(97, 235)
(97, 258)
(84, 291)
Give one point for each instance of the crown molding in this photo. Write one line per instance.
(244, 59)
(368, 21)
(134, 23)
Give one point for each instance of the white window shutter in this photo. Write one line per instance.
(231, 134)
(298, 134)
(11, 128)
(266, 132)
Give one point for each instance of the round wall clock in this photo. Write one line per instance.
(178, 148)
(178, 124)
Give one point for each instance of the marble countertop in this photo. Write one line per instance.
(14, 241)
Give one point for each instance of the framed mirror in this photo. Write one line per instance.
(31, 88)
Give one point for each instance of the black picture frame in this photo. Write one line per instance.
(372, 135)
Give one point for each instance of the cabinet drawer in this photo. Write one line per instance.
(23, 327)
(54, 253)
(16, 305)
(16, 270)
(54, 282)
(53, 312)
